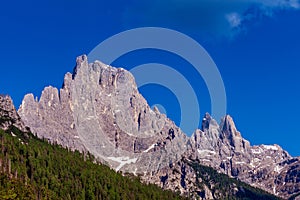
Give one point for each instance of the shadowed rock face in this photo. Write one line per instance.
(100, 110)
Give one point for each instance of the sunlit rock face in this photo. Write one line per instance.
(99, 109)
(265, 166)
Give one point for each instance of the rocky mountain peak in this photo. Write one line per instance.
(8, 115)
(227, 126)
(223, 148)
(100, 110)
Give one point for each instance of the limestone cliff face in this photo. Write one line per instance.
(223, 148)
(99, 109)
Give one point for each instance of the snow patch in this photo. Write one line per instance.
(256, 151)
(270, 147)
(151, 147)
(206, 152)
(123, 161)
(205, 160)
(238, 163)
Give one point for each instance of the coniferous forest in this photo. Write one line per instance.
(34, 169)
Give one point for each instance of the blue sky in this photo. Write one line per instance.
(254, 43)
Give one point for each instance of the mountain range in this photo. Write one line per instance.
(33, 168)
(100, 110)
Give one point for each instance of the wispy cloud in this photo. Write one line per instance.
(234, 19)
(214, 17)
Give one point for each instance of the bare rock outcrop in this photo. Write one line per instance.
(265, 166)
(99, 109)
(9, 115)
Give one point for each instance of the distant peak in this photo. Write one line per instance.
(228, 126)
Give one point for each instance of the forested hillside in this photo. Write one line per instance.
(33, 169)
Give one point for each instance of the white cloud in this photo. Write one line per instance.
(279, 3)
(215, 17)
(234, 19)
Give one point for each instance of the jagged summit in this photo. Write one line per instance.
(9, 116)
(228, 126)
(100, 110)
